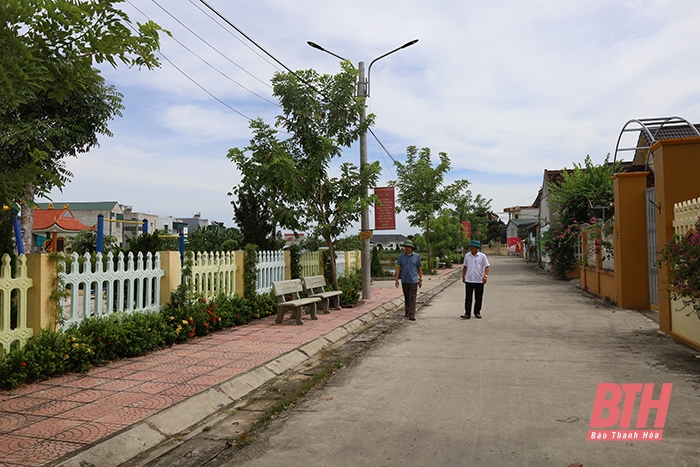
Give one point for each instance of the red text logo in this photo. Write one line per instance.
(614, 407)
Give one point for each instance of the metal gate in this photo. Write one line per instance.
(651, 246)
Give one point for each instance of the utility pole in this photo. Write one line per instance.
(365, 233)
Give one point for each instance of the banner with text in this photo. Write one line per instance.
(384, 209)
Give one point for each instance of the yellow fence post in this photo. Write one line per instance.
(170, 262)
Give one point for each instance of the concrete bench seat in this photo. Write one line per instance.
(315, 287)
(282, 289)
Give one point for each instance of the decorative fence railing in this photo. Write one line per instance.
(271, 265)
(214, 273)
(685, 215)
(340, 263)
(131, 285)
(593, 248)
(353, 260)
(104, 284)
(13, 304)
(310, 265)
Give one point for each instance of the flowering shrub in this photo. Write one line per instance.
(682, 256)
(598, 239)
(97, 340)
(351, 285)
(560, 243)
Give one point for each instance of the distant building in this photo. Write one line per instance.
(292, 239)
(173, 225)
(522, 212)
(53, 227)
(194, 223)
(87, 212)
(134, 228)
(387, 241)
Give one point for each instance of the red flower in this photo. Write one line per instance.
(23, 364)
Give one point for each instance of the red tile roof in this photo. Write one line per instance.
(57, 220)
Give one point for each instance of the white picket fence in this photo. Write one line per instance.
(270, 269)
(685, 215)
(131, 285)
(340, 263)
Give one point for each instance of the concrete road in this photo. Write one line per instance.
(515, 388)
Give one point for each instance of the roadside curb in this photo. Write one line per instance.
(172, 424)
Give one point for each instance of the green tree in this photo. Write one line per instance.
(322, 115)
(52, 100)
(214, 237)
(86, 242)
(422, 192)
(476, 210)
(582, 192)
(350, 243)
(7, 243)
(447, 236)
(51, 45)
(58, 130)
(152, 243)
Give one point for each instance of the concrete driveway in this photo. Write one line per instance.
(515, 388)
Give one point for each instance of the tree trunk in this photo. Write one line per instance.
(26, 220)
(427, 240)
(334, 270)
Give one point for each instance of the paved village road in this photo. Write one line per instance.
(515, 388)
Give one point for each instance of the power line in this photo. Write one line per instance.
(286, 68)
(263, 49)
(233, 35)
(195, 82)
(211, 46)
(206, 62)
(385, 150)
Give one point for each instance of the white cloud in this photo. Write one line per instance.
(507, 89)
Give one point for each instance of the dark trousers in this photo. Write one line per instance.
(477, 289)
(410, 291)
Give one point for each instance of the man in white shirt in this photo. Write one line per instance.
(475, 273)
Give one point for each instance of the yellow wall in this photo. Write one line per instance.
(630, 241)
(677, 175)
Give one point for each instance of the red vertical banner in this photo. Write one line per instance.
(466, 229)
(384, 209)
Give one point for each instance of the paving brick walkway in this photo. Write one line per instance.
(42, 422)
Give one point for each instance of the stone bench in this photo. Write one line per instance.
(283, 289)
(315, 287)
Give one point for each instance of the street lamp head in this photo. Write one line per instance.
(408, 44)
(318, 47)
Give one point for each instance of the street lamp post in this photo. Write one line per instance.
(363, 91)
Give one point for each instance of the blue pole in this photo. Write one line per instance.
(182, 254)
(145, 226)
(18, 236)
(182, 249)
(100, 232)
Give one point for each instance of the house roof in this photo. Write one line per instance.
(664, 132)
(84, 206)
(57, 220)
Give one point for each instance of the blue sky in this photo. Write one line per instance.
(507, 89)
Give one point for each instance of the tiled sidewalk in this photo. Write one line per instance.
(42, 422)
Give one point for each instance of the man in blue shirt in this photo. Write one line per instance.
(410, 271)
(475, 273)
